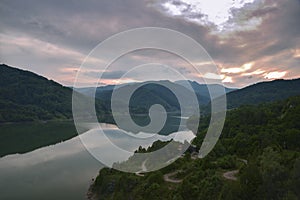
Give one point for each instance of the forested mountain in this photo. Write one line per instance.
(202, 89)
(250, 95)
(156, 92)
(144, 96)
(151, 92)
(263, 92)
(257, 157)
(26, 96)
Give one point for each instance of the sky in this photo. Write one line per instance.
(249, 40)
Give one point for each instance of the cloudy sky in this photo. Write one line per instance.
(249, 40)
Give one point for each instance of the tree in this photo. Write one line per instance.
(250, 180)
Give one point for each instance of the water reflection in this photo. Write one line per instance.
(64, 170)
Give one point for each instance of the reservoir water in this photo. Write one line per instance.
(62, 171)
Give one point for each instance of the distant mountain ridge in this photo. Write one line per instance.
(157, 92)
(26, 96)
(203, 89)
(263, 92)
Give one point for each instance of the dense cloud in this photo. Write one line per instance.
(53, 37)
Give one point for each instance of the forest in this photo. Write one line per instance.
(257, 157)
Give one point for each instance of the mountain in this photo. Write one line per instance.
(256, 157)
(150, 93)
(26, 96)
(147, 94)
(263, 92)
(202, 89)
(88, 91)
(144, 96)
(157, 92)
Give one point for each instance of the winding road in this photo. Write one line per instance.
(144, 169)
(231, 175)
(167, 177)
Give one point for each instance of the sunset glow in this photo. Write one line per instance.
(249, 40)
(275, 75)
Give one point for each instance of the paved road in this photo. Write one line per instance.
(144, 169)
(167, 177)
(231, 175)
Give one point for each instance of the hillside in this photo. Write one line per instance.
(152, 91)
(148, 94)
(157, 93)
(145, 95)
(257, 157)
(26, 96)
(202, 89)
(263, 92)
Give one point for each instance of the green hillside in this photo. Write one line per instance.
(203, 90)
(145, 95)
(25, 96)
(263, 92)
(257, 157)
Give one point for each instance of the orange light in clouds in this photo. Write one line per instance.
(236, 70)
(256, 72)
(227, 79)
(117, 81)
(212, 76)
(275, 75)
(297, 53)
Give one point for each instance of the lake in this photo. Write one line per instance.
(64, 170)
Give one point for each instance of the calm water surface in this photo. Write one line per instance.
(62, 171)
